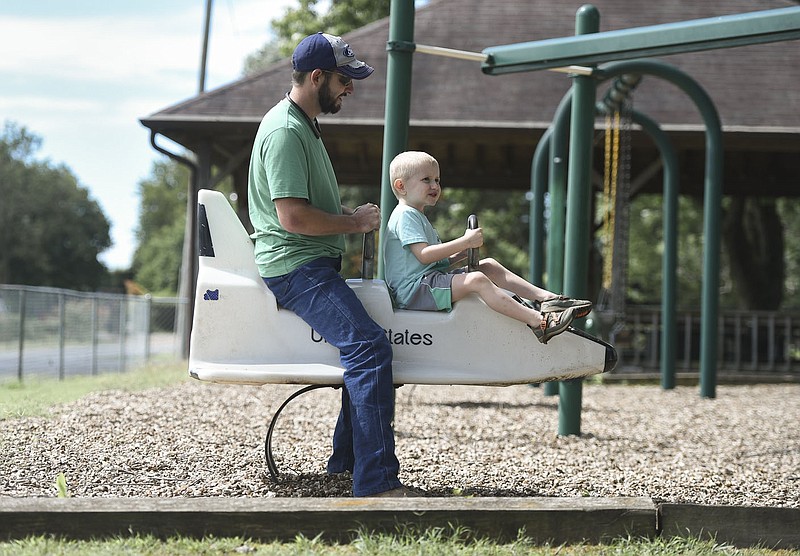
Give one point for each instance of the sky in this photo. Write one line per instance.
(81, 73)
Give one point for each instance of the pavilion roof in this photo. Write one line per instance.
(754, 86)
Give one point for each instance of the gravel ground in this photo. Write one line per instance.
(198, 439)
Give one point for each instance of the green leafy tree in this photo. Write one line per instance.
(52, 230)
(503, 215)
(758, 264)
(789, 212)
(262, 58)
(307, 18)
(753, 235)
(162, 218)
(162, 221)
(646, 249)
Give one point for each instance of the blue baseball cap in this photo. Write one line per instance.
(328, 52)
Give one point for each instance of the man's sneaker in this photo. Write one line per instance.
(399, 492)
(560, 303)
(553, 324)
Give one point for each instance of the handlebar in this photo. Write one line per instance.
(473, 257)
(368, 258)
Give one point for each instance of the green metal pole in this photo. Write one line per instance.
(398, 100)
(579, 191)
(557, 187)
(669, 259)
(536, 232)
(782, 24)
(712, 207)
(539, 180)
(712, 223)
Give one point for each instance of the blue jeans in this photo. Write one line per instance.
(363, 440)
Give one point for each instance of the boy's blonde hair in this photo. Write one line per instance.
(406, 164)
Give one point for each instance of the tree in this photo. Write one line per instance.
(646, 249)
(306, 19)
(503, 215)
(789, 211)
(753, 235)
(162, 216)
(758, 266)
(262, 58)
(162, 219)
(52, 230)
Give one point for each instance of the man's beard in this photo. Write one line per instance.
(327, 102)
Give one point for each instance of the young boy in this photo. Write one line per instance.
(417, 263)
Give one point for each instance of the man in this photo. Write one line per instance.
(299, 227)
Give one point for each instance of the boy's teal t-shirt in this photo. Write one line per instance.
(402, 270)
(299, 167)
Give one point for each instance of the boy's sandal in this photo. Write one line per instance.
(553, 323)
(562, 303)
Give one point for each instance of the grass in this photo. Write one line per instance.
(34, 397)
(438, 542)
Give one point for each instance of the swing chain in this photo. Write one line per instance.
(618, 105)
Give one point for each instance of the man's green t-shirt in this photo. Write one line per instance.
(290, 160)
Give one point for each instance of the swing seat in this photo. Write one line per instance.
(241, 336)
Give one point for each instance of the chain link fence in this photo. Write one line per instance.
(56, 333)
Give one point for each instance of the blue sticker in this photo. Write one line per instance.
(211, 295)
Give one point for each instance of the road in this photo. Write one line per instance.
(45, 360)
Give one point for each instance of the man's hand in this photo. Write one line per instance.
(367, 217)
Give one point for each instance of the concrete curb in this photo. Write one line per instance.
(555, 520)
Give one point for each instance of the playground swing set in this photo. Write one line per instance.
(472, 344)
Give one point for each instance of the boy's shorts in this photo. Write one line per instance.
(434, 292)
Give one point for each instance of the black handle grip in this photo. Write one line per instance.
(368, 257)
(473, 257)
